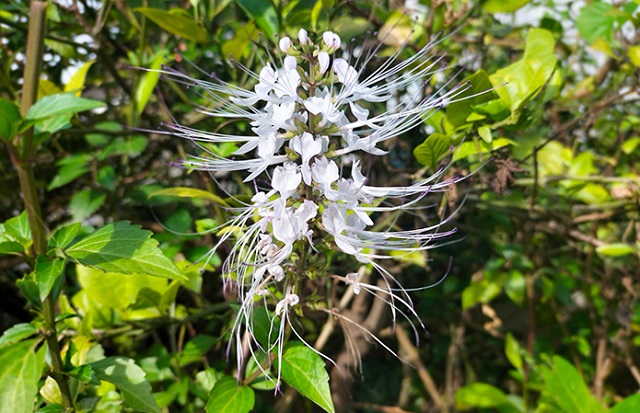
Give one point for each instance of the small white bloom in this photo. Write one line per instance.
(331, 39)
(285, 44)
(288, 301)
(302, 36)
(323, 61)
(286, 179)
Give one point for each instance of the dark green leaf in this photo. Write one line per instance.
(229, 397)
(130, 146)
(107, 177)
(196, 348)
(19, 376)
(264, 13)
(130, 379)
(29, 288)
(17, 332)
(47, 272)
(176, 24)
(304, 370)
(11, 247)
(432, 150)
(265, 327)
(124, 248)
(85, 374)
(9, 120)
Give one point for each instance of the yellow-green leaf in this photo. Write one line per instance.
(76, 84)
(176, 24)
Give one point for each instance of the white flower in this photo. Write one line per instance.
(308, 125)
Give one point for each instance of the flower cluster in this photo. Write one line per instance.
(310, 117)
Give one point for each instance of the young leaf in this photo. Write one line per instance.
(630, 404)
(512, 351)
(479, 395)
(19, 376)
(123, 248)
(17, 333)
(176, 24)
(617, 249)
(304, 370)
(430, 151)
(130, 379)
(185, 192)
(47, 272)
(149, 81)
(18, 228)
(228, 397)
(63, 236)
(76, 83)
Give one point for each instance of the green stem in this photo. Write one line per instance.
(24, 165)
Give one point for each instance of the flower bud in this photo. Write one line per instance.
(323, 60)
(302, 36)
(331, 39)
(285, 44)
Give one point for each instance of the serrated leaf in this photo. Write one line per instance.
(19, 376)
(176, 24)
(304, 370)
(185, 192)
(130, 380)
(596, 21)
(17, 333)
(229, 397)
(432, 150)
(18, 228)
(123, 248)
(617, 249)
(264, 13)
(76, 83)
(47, 271)
(63, 236)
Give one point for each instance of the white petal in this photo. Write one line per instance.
(302, 36)
(285, 44)
(323, 60)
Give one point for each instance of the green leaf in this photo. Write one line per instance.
(149, 81)
(265, 327)
(76, 83)
(18, 228)
(29, 288)
(240, 46)
(228, 397)
(185, 192)
(123, 248)
(485, 133)
(130, 379)
(196, 348)
(19, 376)
(432, 150)
(16, 333)
(304, 370)
(63, 236)
(617, 249)
(9, 120)
(71, 167)
(479, 395)
(596, 21)
(521, 81)
(503, 6)
(481, 291)
(52, 112)
(630, 404)
(11, 247)
(567, 389)
(84, 203)
(466, 149)
(177, 24)
(115, 290)
(85, 374)
(513, 351)
(47, 272)
(264, 13)
(458, 111)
